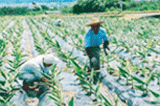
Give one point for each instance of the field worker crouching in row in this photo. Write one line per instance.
(93, 40)
(31, 72)
(58, 22)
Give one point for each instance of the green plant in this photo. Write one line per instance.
(89, 6)
(56, 93)
(44, 7)
(36, 8)
(71, 102)
(2, 51)
(7, 88)
(87, 84)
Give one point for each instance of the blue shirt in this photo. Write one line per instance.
(94, 40)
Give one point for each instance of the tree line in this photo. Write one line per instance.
(86, 6)
(22, 10)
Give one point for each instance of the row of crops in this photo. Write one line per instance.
(13, 45)
(135, 50)
(66, 57)
(132, 67)
(17, 46)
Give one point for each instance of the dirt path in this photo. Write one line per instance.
(105, 91)
(28, 41)
(138, 15)
(9, 45)
(123, 15)
(69, 95)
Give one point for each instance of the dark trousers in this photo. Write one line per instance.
(96, 53)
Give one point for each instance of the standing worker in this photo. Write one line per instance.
(31, 72)
(93, 40)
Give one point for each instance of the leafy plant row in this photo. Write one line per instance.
(10, 72)
(56, 93)
(68, 57)
(139, 48)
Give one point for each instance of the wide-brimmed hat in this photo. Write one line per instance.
(95, 21)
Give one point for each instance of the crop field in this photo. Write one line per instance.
(131, 70)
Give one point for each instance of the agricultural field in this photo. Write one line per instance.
(130, 71)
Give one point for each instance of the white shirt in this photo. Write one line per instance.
(35, 66)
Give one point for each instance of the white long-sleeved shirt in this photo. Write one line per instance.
(35, 66)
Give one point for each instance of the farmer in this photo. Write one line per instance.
(31, 71)
(58, 22)
(93, 40)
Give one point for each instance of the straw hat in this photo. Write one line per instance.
(95, 21)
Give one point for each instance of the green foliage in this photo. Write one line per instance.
(23, 10)
(112, 4)
(33, 3)
(36, 8)
(89, 6)
(56, 93)
(31, 12)
(66, 9)
(2, 45)
(71, 102)
(44, 7)
(3, 51)
(13, 10)
(86, 6)
(141, 6)
(7, 88)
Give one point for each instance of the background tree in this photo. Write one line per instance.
(89, 6)
(44, 7)
(34, 4)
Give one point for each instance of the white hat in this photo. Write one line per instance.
(50, 59)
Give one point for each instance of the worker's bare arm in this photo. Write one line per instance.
(44, 79)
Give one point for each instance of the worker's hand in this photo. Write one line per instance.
(105, 52)
(105, 44)
(94, 61)
(89, 52)
(44, 79)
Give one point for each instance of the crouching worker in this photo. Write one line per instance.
(31, 73)
(58, 22)
(93, 40)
